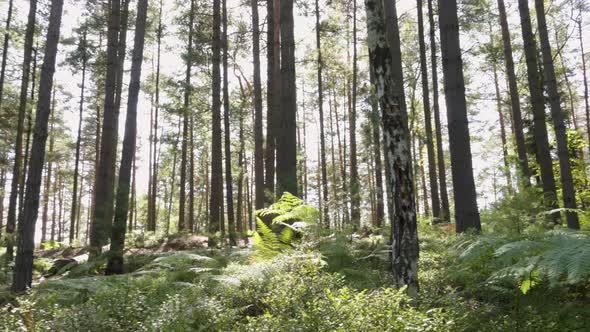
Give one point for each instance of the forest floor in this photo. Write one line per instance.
(328, 283)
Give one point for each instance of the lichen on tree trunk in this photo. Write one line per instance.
(385, 61)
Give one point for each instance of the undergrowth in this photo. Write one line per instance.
(534, 281)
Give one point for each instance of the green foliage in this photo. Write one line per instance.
(558, 258)
(281, 224)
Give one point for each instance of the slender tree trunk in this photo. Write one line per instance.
(524, 176)
(2, 193)
(115, 262)
(423, 178)
(187, 94)
(565, 167)
(226, 115)
(5, 45)
(216, 199)
(97, 146)
(121, 55)
(334, 182)
(506, 169)
(191, 182)
(375, 124)
(466, 211)
(152, 203)
(355, 198)
(324, 173)
(585, 75)
(571, 98)
(105, 177)
(436, 212)
(79, 216)
(385, 63)
(538, 105)
(22, 108)
(249, 200)
(173, 177)
(132, 201)
(73, 211)
(442, 173)
(287, 140)
(23, 269)
(60, 221)
(48, 178)
(273, 95)
(241, 161)
(29, 131)
(54, 202)
(258, 135)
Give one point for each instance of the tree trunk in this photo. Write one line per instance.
(173, 177)
(585, 75)
(324, 175)
(287, 140)
(216, 199)
(73, 211)
(525, 174)
(423, 178)
(506, 169)
(105, 177)
(355, 198)
(385, 63)
(79, 216)
(115, 262)
(565, 167)
(132, 201)
(48, 178)
(375, 124)
(273, 95)
(435, 201)
(191, 181)
(2, 193)
(22, 108)
(442, 173)
(226, 110)
(29, 131)
(152, 202)
(60, 199)
(187, 94)
(242, 151)
(23, 269)
(334, 182)
(538, 105)
(258, 135)
(466, 211)
(5, 52)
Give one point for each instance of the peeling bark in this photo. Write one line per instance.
(385, 61)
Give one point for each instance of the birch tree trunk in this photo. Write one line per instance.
(385, 62)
